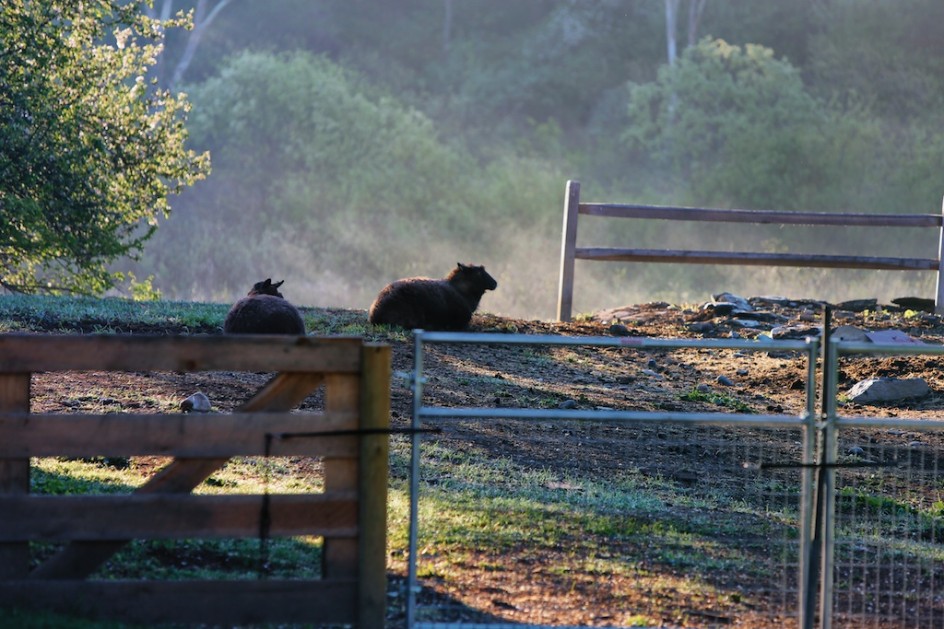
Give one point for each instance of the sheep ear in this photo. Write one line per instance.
(277, 284)
(460, 265)
(268, 282)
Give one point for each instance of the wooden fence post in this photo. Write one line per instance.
(14, 473)
(339, 555)
(565, 298)
(939, 293)
(372, 486)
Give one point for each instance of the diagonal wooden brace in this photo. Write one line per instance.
(77, 560)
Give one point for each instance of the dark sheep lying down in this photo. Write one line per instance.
(264, 311)
(428, 304)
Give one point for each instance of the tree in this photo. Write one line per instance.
(305, 159)
(724, 110)
(88, 153)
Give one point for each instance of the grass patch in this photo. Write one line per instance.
(470, 501)
(876, 516)
(107, 315)
(718, 399)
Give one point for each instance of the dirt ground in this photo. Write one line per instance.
(695, 380)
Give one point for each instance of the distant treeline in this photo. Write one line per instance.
(353, 143)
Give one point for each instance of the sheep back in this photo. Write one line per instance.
(264, 311)
(430, 304)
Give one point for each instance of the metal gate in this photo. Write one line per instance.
(833, 546)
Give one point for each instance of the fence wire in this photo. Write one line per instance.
(638, 518)
(888, 563)
(669, 519)
(694, 531)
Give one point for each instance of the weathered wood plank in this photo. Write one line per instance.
(372, 486)
(939, 284)
(339, 555)
(162, 516)
(214, 602)
(14, 473)
(565, 294)
(757, 259)
(775, 217)
(182, 435)
(37, 352)
(79, 559)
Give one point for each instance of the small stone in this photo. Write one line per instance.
(196, 403)
(719, 309)
(794, 332)
(856, 451)
(725, 381)
(746, 323)
(849, 333)
(740, 302)
(618, 329)
(568, 404)
(702, 327)
(857, 305)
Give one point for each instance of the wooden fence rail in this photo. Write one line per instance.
(349, 435)
(573, 208)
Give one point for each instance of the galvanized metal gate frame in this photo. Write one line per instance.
(832, 427)
(819, 442)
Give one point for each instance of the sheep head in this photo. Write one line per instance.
(266, 288)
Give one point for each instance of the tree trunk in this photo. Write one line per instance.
(201, 21)
(695, 9)
(671, 20)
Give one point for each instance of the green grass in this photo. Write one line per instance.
(718, 399)
(110, 314)
(472, 500)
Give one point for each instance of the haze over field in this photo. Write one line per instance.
(354, 143)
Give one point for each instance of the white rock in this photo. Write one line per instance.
(196, 403)
(888, 390)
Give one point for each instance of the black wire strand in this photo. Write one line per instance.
(265, 516)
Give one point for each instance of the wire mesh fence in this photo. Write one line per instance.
(886, 559)
(889, 528)
(620, 518)
(661, 518)
(695, 530)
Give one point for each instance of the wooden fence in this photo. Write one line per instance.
(350, 514)
(573, 208)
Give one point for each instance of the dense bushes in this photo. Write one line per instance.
(336, 188)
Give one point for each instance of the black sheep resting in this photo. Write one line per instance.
(428, 304)
(264, 311)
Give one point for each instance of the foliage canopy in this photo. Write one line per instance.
(89, 151)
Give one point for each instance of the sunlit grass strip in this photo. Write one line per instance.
(193, 559)
(44, 311)
(470, 502)
(245, 475)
